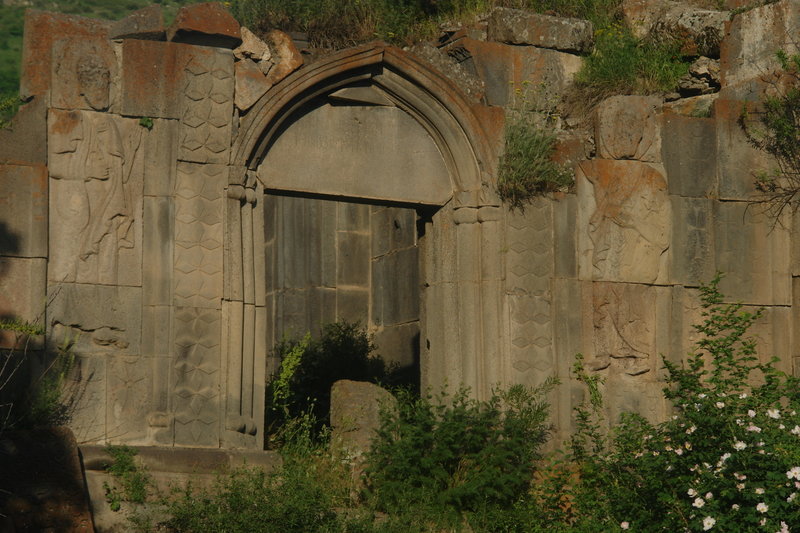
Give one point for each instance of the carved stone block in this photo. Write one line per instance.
(129, 395)
(199, 207)
(96, 185)
(153, 78)
(625, 221)
(97, 319)
(196, 362)
(84, 73)
(753, 251)
(627, 127)
(85, 390)
(692, 248)
(207, 106)
(689, 152)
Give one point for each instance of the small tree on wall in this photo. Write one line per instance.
(775, 128)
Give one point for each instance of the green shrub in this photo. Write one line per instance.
(301, 389)
(456, 454)
(134, 482)
(527, 168)
(250, 501)
(728, 460)
(622, 64)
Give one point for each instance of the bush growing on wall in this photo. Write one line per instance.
(728, 460)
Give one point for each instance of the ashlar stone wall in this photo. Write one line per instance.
(176, 199)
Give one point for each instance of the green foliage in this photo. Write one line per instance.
(341, 23)
(250, 500)
(527, 168)
(728, 460)
(132, 481)
(775, 128)
(622, 64)
(32, 396)
(301, 389)
(457, 454)
(146, 122)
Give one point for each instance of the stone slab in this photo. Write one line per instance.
(42, 30)
(129, 395)
(753, 37)
(23, 204)
(355, 413)
(352, 305)
(627, 127)
(392, 228)
(692, 248)
(158, 248)
(399, 344)
(395, 288)
(251, 84)
(146, 23)
(206, 24)
(753, 252)
(352, 259)
(516, 26)
(689, 152)
(505, 69)
(26, 139)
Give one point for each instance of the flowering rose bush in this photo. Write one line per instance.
(728, 460)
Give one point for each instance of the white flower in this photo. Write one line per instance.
(759, 490)
(692, 493)
(793, 473)
(679, 451)
(743, 395)
(791, 497)
(698, 502)
(740, 486)
(796, 430)
(691, 430)
(739, 445)
(739, 422)
(687, 445)
(720, 405)
(781, 426)
(624, 525)
(754, 428)
(751, 413)
(701, 395)
(735, 506)
(784, 528)
(740, 477)
(725, 456)
(708, 523)
(762, 507)
(774, 413)
(709, 495)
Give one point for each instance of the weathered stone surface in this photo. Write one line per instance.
(146, 23)
(516, 26)
(456, 63)
(703, 78)
(395, 288)
(84, 71)
(286, 57)
(42, 486)
(737, 159)
(392, 228)
(153, 78)
(250, 84)
(42, 29)
(252, 48)
(207, 24)
(398, 344)
(689, 152)
(355, 413)
(26, 139)
(692, 247)
(23, 204)
(624, 221)
(753, 250)
(96, 185)
(504, 68)
(753, 37)
(352, 258)
(199, 235)
(627, 127)
(693, 106)
(157, 251)
(207, 107)
(111, 324)
(129, 392)
(701, 30)
(351, 150)
(22, 294)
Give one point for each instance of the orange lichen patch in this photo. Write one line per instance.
(65, 122)
(208, 23)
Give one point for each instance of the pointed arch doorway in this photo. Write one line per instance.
(379, 169)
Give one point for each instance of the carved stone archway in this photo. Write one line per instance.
(461, 272)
